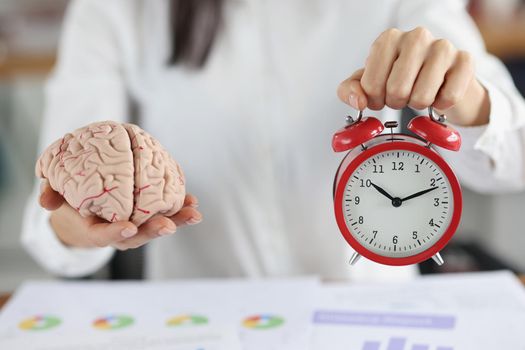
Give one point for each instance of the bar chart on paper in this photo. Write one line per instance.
(400, 344)
(424, 326)
(469, 311)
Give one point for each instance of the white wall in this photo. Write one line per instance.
(508, 239)
(20, 121)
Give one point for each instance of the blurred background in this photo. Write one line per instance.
(491, 234)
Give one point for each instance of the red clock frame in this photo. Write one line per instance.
(403, 146)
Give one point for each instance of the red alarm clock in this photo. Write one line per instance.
(396, 200)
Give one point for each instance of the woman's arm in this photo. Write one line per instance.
(87, 84)
(492, 158)
(436, 56)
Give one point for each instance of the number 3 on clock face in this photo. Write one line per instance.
(398, 205)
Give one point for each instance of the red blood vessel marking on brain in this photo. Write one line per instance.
(115, 171)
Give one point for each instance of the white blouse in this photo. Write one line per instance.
(252, 129)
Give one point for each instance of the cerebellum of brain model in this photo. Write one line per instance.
(115, 171)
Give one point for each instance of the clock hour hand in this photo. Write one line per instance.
(420, 193)
(382, 191)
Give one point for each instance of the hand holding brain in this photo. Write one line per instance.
(115, 171)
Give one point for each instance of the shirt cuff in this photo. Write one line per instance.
(44, 246)
(493, 138)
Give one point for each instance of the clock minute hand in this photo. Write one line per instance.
(420, 193)
(382, 191)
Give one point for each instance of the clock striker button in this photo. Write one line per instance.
(356, 133)
(437, 133)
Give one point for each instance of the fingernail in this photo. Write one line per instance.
(352, 100)
(128, 232)
(194, 205)
(193, 221)
(42, 186)
(166, 231)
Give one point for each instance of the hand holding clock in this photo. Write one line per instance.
(415, 69)
(405, 69)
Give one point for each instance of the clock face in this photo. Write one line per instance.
(397, 203)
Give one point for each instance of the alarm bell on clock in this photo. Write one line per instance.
(396, 200)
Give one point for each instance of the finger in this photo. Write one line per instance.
(351, 92)
(378, 66)
(153, 228)
(456, 83)
(187, 216)
(49, 198)
(103, 234)
(191, 201)
(432, 74)
(413, 51)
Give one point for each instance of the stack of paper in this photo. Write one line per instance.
(454, 312)
(448, 312)
(263, 314)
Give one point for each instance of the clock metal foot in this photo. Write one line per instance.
(438, 259)
(354, 258)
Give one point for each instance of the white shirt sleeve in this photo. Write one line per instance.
(87, 85)
(491, 158)
(44, 246)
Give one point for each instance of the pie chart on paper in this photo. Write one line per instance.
(39, 323)
(112, 322)
(263, 322)
(186, 320)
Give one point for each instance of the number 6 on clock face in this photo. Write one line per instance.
(397, 202)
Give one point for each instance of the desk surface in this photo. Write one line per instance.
(5, 297)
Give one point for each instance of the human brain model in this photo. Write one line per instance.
(115, 171)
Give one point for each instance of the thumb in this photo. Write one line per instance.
(49, 198)
(351, 92)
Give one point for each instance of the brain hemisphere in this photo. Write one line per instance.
(159, 181)
(115, 171)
